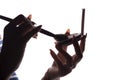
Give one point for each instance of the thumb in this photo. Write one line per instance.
(32, 33)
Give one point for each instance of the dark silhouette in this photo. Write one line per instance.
(16, 35)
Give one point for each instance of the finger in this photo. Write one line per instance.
(25, 28)
(16, 21)
(61, 58)
(67, 32)
(30, 17)
(65, 54)
(35, 36)
(31, 33)
(76, 60)
(83, 39)
(77, 48)
(82, 44)
(84, 36)
(56, 59)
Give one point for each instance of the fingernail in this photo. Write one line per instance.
(68, 32)
(30, 17)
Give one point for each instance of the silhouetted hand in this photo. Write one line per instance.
(63, 62)
(16, 34)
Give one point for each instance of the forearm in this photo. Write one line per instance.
(3, 77)
(10, 60)
(5, 70)
(51, 74)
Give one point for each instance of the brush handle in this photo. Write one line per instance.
(42, 30)
(83, 20)
(47, 32)
(5, 18)
(70, 40)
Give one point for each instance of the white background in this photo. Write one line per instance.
(102, 21)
